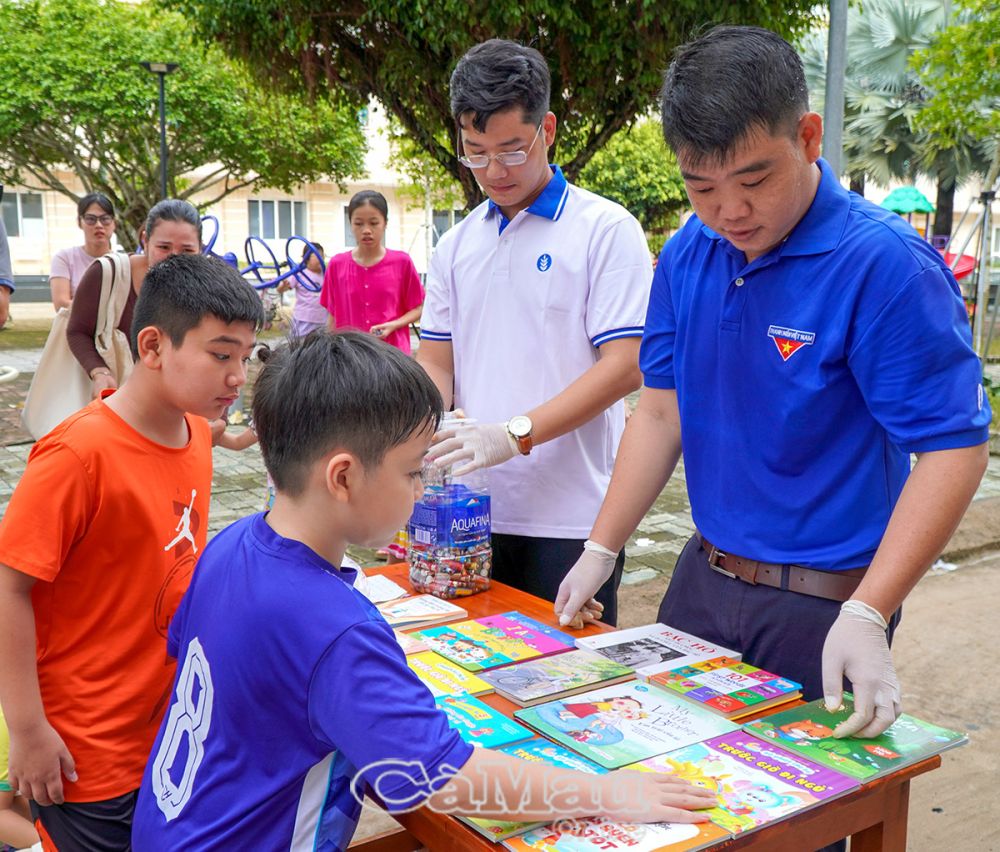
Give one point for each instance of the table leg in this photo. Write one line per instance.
(890, 834)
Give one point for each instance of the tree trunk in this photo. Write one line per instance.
(944, 206)
(858, 184)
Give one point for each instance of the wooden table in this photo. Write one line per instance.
(874, 816)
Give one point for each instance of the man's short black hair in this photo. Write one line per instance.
(499, 75)
(727, 84)
(179, 292)
(337, 390)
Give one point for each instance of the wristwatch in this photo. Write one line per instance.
(519, 428)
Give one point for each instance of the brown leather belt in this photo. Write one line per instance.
(832, 585)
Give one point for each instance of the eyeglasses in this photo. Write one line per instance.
(504, 158)
(91, 219)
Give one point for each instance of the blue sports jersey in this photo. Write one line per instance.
(806, 377)
(290, 688)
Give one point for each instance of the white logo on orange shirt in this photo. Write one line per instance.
(183, 527)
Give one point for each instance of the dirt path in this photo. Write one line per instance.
(943, 652)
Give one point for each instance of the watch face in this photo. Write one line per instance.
(519, 426)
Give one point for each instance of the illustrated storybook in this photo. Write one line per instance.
(808, 730)
(728, 687)
(537, 750)
(653, 648)
(495, 640)
(479, 724)
(626, 723)
(591, 833)
(445, 678)
(420, 611)
(547, 678)
(756, 782)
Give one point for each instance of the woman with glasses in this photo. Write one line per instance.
(95, 214)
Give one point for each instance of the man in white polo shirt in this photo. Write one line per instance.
(532, 321)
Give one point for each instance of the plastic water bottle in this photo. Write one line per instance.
(449, 548)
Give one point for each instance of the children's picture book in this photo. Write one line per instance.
(478, 723)
(756, 782)
(409, 644)
(445, 678)
(727, 686)
(496, 640)
(591, 833)
(807, 730)
(547, 678)
(420, 611)
(537, 750)
(626, 723)
(653, 648)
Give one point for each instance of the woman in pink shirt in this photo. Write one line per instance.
(372, 288)
(95, 214)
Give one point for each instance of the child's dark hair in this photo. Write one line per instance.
(97, 198)
(307, 252)
(727, 84)
(172, 210)
(498, 75)
(337, 390)
(369, 196)
(179, 292)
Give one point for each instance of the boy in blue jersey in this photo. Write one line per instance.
(292, 694)
(801, 343)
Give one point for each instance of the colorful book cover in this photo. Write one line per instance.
(420, 610)
(755, 781)
(445, 678)
(626, 723)
(654, 648)
(808, 730)
(479, 724)
(537, 680)
(728, 686)
(537, 750)
(495, 640)
(590, 833)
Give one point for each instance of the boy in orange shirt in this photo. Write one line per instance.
(97, 547)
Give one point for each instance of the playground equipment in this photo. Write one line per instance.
(263, 264)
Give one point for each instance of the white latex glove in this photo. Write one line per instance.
(481, 445)
(856, 648)
(575, 604)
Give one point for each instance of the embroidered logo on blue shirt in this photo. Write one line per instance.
(790, 340)
(544, 262)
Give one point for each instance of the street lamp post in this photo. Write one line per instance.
(161, 69)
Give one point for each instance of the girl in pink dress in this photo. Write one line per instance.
(372, 288)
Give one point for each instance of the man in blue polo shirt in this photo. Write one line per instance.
(531, 325)
(800, 343)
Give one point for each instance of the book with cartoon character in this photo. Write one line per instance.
(755, 781)
(537, 750)
(590, 833)
(495, 640)
(808, 730)
(478, 723)
(623, 724)
(729, 687)
(443, 677)
(654, 648)
(548, 678)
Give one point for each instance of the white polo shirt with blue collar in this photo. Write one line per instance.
(526, 304)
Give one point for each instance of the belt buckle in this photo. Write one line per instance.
(715, 554)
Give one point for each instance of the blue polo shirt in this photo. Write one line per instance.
(291, 690)
(806, 377)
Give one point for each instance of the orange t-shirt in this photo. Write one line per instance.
(111, 524)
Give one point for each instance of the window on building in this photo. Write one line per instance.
(22, 214)
(276, 220)
(445, 219)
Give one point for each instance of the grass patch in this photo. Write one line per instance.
(24, 333)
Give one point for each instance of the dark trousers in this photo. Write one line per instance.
(538, 565)
(777, 630)
(104, 826)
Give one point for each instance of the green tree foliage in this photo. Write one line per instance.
(961, 69)
(73, 97)
(638, 170)
(606, 58)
